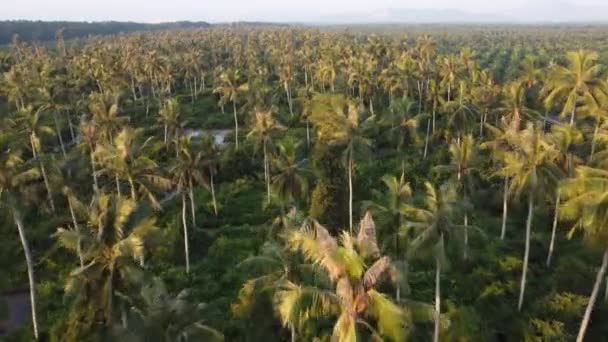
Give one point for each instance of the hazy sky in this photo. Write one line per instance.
(285, 10)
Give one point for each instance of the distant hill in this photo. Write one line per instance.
(46, 30)
(414, 16)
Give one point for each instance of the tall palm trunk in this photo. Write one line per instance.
(192, 206)
(293, 333)
(77, 229)
(527, 250)
(573, 115)
(594, 293)
(266, 173)
(505, 208)
(554, 230)
(212, 191)
(307, 133)
(45, 177)
(426, 139)
(59, 137)
(594, 139)
(30, 270)
(132, 186)
(95, 182)
(236, 125)
(70, 125)
(466, 237)
(437, 312)
(185, 226)
(288, 94)
(350, 191)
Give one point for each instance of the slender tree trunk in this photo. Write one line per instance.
(132, 186)
(307, 133)
(70, 125)
(293, 333)
(45, 177)
(236, 125)
(594, 293)
(434, 117)
(59, 137)
(185, 226)
(505, 208)
(554, 230)
(573, 115)
(522, 288)
(288, 94)
(117, 185)
(594, 140)
(437, 298)
(466, 237)
(192, 206)
(77, 229)
(212, 191)
(30, 270)
(371, 106)
(95, 183)
(350, 192)
(166, 133)
(426, 139)
(266, 173)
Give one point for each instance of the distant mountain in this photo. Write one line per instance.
(391, 16)
(542, 11)
(46, 30)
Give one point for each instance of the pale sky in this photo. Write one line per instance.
(288, 10)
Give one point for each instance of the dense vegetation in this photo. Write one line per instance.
(445, 184)
(43, 31)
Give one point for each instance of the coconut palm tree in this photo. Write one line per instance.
(262, 130)
(32, 125)
(463, 167)
(187, 172)
(128, 160)
(575, 83)
(114, 249)
(169, 118)
(585, 198)
(388, 207)
(290, 182)
(231, 88)
(354, 297)
(532, 170)
(564, 139)
(433, 227)
(339, 122)
(210, 161)
(14, 175)
(157, 315)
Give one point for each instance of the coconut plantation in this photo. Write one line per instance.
(275, 182)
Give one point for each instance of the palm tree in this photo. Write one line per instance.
(210, 160)
(585, 203)
(262, 129)
(231, 88)
(161, 317)
(14, 174)
(290, 182)
(33, 126)
(564, 139)
(128, 160)
(354, 297)
(114, 249)
(388, 207)
(575, 83)
(339, 122)
(532, 170)
(433, 226)
(186, 173)
(463, 166)
(169, 118)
